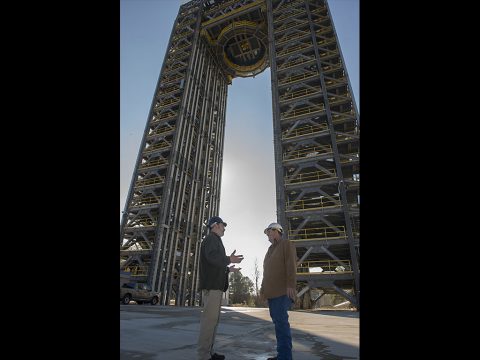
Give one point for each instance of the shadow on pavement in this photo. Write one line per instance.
(166, 332)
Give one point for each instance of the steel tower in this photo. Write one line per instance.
(176, 182)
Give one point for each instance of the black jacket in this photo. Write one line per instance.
(213, 264)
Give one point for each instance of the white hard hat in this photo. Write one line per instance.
(274, 226)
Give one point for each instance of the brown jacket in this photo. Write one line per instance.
(279, 269)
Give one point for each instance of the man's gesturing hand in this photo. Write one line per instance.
(235, 259)
(234, 269)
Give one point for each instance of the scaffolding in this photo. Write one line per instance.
(176, 182)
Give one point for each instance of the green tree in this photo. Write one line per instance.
(240, 289)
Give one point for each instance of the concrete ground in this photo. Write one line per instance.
(166, 332)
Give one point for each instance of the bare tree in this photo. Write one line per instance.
(258, 302)
(256, 277)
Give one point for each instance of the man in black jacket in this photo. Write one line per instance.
(213, 278)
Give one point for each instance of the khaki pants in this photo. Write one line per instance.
(212, 300)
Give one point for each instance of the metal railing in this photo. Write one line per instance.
(310, 177)
(153, 163)
(298, 94)
(162, 130)
(300, 112)
(290, 37)
(149, 182)
(167, 116)
(137, 270)
(294, 78)
(290, 64)
(283, 7)
(324, 267)
(289, 14)
(322, 233)
(290, 25)
(311, 204)
(304, 130)
(293, 49)
(167, 102)
(141, 222)
(144, 201)
(161, 145)
(307, 152)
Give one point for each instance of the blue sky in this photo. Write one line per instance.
(248, 182)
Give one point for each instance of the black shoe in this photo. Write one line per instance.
(272, 358)
(216, 356)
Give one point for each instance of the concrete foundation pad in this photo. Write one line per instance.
(166, 332)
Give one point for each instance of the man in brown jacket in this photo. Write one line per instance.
(279, 287)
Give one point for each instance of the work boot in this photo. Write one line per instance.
(216, 356)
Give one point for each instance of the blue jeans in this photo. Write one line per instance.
(278, 311)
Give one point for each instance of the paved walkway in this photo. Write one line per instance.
(166, 332)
